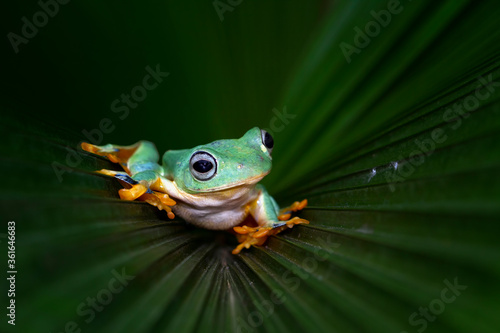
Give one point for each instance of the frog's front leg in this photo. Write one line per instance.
(269, 218)
(142, 176)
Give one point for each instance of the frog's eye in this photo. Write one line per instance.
(267, 140)
(202, 165)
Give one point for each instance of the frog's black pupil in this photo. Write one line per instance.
(203, 166)
(268, 140)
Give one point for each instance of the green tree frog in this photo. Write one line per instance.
(213, 186)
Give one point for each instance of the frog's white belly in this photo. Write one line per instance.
(218, 210)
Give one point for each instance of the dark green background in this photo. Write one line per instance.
(89, 54)
(389, 244)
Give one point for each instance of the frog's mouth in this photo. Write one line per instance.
(249, 181)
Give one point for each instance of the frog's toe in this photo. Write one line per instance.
(286, 212)
(116, 154)
(132, 193)
(142, 193)
(248, 239)
(161, 201)
(139, 190)
(248, 236)
(279, 227)
(296, 220)
(113, 173)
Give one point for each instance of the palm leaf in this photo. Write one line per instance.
(398, 213)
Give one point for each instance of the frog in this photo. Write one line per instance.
(213, 186)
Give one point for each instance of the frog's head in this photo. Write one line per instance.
(222, 164)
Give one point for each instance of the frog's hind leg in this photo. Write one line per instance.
(114, 153)
(121, 155)
(134, 159)
(141, 179)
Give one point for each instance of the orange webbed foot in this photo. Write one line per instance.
(116, 154)
(142, 193)
(161, 201)
(132, 193)
(248, 236)
(286, 212)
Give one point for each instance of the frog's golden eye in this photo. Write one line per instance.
(267, 140)
(202, 165)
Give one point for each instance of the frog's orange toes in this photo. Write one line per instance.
(246, 241)
(140, 192)
(288, 224)
(248, 236)
(116, 154)
(111, 173)
(132, 193)
(286, 213)
(161, 201)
